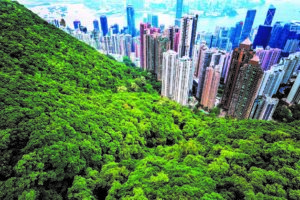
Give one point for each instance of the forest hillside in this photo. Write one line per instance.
(75, 124)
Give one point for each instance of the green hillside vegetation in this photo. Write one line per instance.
(75, 124)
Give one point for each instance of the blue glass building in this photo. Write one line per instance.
(270, 15)
(248, 24)
(263, 36)
(115, 28)
(236, 34)
(104, 25)
(276, 31)
(83, 29)
(284, 36)
(155, 21)
(131, 20)
(76, 24)
(96, 25)
(179, 5)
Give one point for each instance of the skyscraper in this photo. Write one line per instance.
(115, 28)
(182, 85)
(211, 84)
(223, 39)
(143, 28)
(248, 24)
(155, 21)
(169, 73)
(290, 64)
(270, 15)
(131, 20)
(294, 95)
(179, 5)
(263, 36)
(104, 25)
(96, 25)
(268, 57)
(162, 44)
(245, 89)
(239, 58)
(187, 35)
(200, 59)
(226, 66)
(236, 34)
(76, 24)
(275, 34)
(263, 108)
(204, 63)
(291, 45)
(271, 81)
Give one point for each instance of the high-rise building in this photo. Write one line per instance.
(248, 24)
(205, 57)
(245, 89)
(270, 15)
(187, 35)
(143, 28)
(291, 45)
(294, 95)
(96, 25)
(184, 73)
(236, 34)
(115, 29)
(280, 35)
(263, 36)
(223, 39)
(290, 64)
(162, 45)
(155, 21)
(169, 73)
(149, 43)
(211, 84)
(179, 5)
(268, 57)
(271, 81)
(199, 61)
(240, 57)
(263, 108)
(171, 32)
(131, 20)
(275, 34)
(104, 25)
(226, 66)
(77, 24)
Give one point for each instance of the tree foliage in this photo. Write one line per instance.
(75, 124)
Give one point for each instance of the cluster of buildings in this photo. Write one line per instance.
(251, 64)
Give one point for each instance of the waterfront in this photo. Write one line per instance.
(286, 11)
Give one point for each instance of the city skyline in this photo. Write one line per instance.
(76, 11)
(238, 68)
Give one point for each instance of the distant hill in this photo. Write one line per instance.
(75, 124)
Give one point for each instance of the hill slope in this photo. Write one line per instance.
(76, 125)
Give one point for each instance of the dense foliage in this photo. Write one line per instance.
(75, 124)
(286, 113)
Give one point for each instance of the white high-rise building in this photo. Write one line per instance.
(271, 80)
(263, 108)
(187, 36)
(290, 65)
(169, 73)
(184, 73)
(294, 95)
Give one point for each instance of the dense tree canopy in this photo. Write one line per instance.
(75, 124)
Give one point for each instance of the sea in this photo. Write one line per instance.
(286, 11)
